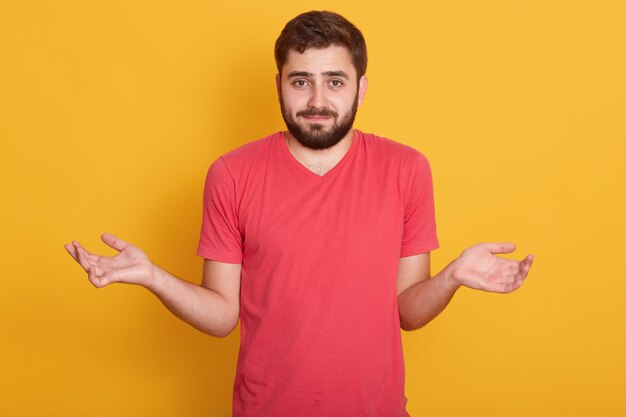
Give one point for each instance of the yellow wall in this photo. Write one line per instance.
(111, 111)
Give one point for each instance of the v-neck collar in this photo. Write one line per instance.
(338, 167)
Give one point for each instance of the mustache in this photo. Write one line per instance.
(316, 112)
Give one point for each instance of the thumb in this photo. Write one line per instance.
(114, 242)
(500, 247)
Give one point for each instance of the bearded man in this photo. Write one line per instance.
(318, 239)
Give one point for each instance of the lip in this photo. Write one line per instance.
(317, 118)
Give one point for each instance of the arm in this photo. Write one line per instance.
(212, 307)
(421, 299)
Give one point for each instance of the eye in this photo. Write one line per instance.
(336, 83)
(300, 83)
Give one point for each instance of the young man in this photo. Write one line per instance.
(318, 240)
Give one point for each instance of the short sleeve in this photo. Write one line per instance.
(220, 238)
(420, 232)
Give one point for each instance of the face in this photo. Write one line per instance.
(319, 95)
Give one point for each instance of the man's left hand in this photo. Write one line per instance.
(478, 267)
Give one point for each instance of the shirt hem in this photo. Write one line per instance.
(229, 258)
(423, 247)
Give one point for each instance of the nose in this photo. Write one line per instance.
(317, 100)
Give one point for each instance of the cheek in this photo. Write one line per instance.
(294, 102)
(347, 102)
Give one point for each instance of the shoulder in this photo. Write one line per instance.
(252, 150)
(244, 157)
(392, 151)
(237, 163)
(402, 164)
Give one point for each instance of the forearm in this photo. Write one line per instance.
(477, 268)
(201, 307)
(423, 301)
(212, 308)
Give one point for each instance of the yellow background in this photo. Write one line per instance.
(111, 112)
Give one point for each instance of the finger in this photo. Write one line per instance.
(82, 256)
(524, 267)
(514, 286)
(527, 263)
(114, 242)
(97, 271)
(500, 247)
(96, 281)
(71, 250)
(103, 261)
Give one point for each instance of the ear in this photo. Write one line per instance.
(278, 84)
(362, 89)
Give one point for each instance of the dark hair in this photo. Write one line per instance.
(320, 29)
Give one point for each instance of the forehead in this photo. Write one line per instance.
(318, 60)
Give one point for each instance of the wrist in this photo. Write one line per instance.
(154, 277)
(451, 275)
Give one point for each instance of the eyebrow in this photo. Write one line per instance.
(340, 74)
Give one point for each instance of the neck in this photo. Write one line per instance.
(320, 161)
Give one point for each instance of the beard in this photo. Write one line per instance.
(315, 136)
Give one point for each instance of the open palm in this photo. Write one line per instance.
(478, 267)
(130, 265)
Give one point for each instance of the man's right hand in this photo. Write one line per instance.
(130, 265)
(212, 307)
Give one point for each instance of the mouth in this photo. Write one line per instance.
(317, 118)
(317, 115)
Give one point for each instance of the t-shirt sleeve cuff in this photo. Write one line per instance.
(226, 257)
(421, 247)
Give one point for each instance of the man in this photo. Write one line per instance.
(318, 240)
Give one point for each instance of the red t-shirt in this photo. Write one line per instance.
(320, 332)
